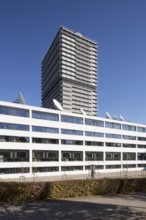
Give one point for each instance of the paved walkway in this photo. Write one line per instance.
(120, 207)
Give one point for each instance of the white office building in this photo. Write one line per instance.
(48, 142)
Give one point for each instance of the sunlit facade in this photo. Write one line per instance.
(48, 142)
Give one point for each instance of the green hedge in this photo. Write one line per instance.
(76, 188)
(12, 191)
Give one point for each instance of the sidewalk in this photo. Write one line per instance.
(119, 207)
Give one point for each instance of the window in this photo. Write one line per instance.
(45, 169)
(142, 165)
(128, 137)
(113, 166)
(14, 126)
(14, 139)
(94, 134)
(112, 125)
(129, 165)
(129, 156)
(97, 167)
(14, 111)
(94, 143)
(129, 127)
(141, 129)
(14, 170)
(45, 141)
(113, 156)
(129, 145)
(71, 132)
(45, 129)
(72, 156)
(94, 156)
(141, 146)
(71, 168)
(14, 155)
(116, 136)
(141, 138)
(70, 119)
(45, 116)
(39, 155)
(110, 144)
(97, 123)
(72, 142)
(141, 156)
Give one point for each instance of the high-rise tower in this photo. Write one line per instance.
(69, 73)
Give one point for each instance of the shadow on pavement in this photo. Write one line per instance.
(139, 196)
(68, 210)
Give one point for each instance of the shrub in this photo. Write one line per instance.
(70, 188)
(21, 191)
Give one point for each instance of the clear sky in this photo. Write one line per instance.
(27, 28)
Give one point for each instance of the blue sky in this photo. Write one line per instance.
(27, 28)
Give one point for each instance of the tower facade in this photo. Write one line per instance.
(69, 73)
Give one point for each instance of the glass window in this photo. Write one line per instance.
(14, 139)
(77, 132)
(66, 131)
(93, 156)
(116, 136)
(113, 156)
(129, 156)
(45, 169)
(129, 165)
(71, 168)
(94, 134)
(129, 145)
(14, 126)
(14, 111)
(141, 138)
(45, 116)
(113, 166)
(45, 141)
(72, 156)
(142, 165)
(14, 155)
(94, 143)
(128, 137)
(14, 170)
(109, 144)
(67, 119)
(91, 122)
(141, 146)
(39, 155)
(45, 129)
(71, 132)
(141, 156)
(77, 120)
(72, 142)
(141, 129)
(98, 167)
(70, 119)
(129, 127)
(112, 125)
(100, 123)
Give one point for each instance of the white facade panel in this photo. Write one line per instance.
(70, 147)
